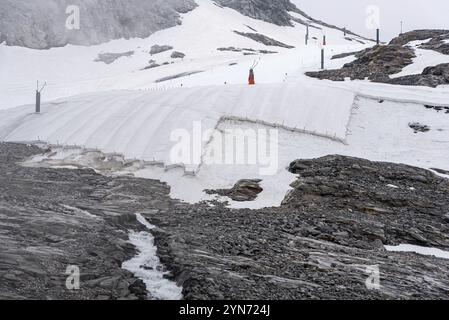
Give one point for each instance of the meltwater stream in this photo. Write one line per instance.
(147, 266)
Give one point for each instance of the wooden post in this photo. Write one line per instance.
(378, 36)
(324, 40)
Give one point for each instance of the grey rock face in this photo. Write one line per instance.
(375, 63)
(159, 49)
(274, 11)
(152, 65)
(430, 77)
(438, 44)
(418, 127)
(41, 24)
(177, 55)
(415, 35)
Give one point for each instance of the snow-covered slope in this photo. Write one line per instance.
(72, 70)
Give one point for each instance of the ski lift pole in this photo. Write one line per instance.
(38, 101)
(38, 96)
(322, 58)
(307, 35)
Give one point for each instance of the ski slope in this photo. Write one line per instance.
(138, 124)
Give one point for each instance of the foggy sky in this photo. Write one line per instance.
(352, 13)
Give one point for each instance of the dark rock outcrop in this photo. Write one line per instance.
(159, 49)
(177, 55)
(273, 11)
(375, 63)
(380, 62)
(418, 127)
(263, 39)
(439, 44)
(243, 190)
(430, 77)
(416, 35)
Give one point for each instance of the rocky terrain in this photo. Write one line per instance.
(319, 244)
(52, 219)
(380, 62)
(330, 230)
(277, 12)
(41, 24)
(375, 63)
(274, 11)
(243, 190)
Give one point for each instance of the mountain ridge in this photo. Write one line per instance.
(41, 24)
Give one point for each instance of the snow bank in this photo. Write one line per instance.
(438, 253)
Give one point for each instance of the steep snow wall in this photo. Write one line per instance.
(41, 24)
